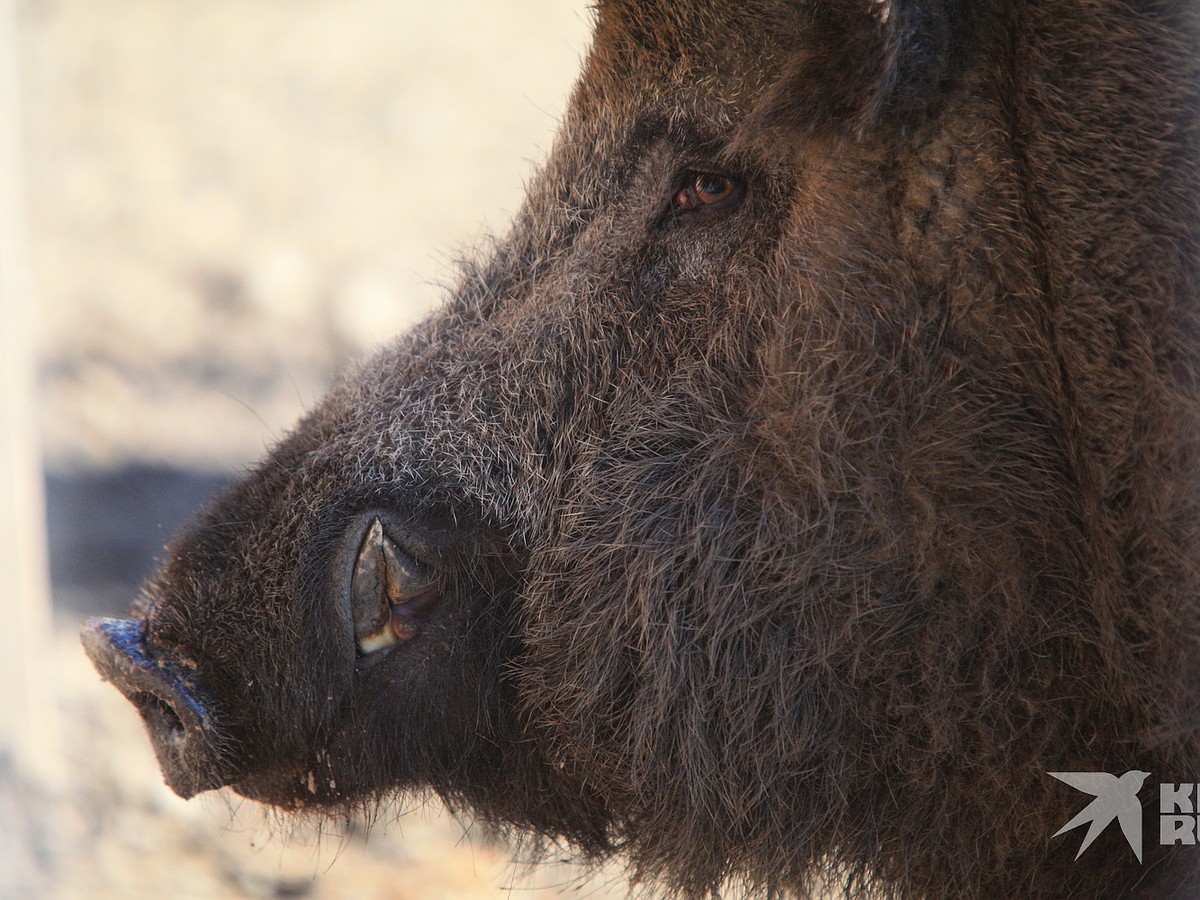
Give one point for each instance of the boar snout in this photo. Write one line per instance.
(178, 719)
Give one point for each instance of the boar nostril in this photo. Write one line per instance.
(159, 714)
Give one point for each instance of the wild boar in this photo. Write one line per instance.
(811, 470)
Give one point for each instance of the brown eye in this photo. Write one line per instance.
(704, 189)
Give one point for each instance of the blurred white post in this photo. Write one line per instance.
(27, 704)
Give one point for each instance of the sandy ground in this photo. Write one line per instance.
(227, 200)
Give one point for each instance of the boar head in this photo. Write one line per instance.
(809, 471)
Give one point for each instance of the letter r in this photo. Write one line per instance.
(1177, 830)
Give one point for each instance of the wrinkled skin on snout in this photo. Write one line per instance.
(810, 470)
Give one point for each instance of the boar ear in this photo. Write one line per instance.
(857, 62)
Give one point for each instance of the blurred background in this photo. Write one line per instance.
(207, 209)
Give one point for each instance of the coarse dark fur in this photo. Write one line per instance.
(790, 541)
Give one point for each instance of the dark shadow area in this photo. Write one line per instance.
(107, 529)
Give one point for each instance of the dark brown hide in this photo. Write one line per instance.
(787, 539)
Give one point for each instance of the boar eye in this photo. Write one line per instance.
(706, 190)
(391, 595)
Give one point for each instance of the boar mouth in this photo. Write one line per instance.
(176, 714)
